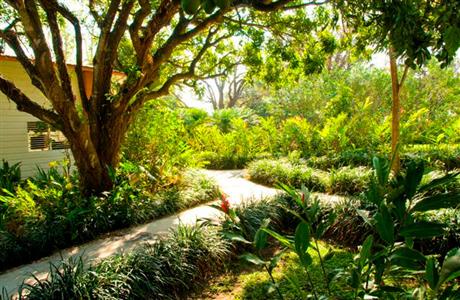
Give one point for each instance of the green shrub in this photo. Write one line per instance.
(252, 213)
(442, 156)
(156, 140)
(352, 158)
(343, 181)
(349, 181)
(10, 175)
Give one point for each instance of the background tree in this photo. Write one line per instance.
(411, 31)
(225, 91)
(155, 43)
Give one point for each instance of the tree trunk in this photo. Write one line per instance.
(395, 112)
(96, 153)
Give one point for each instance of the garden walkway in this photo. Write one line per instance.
(231, 183)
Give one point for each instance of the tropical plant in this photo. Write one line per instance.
(391, 253)
(10, 175)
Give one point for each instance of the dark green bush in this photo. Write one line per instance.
(223, 161)
(270, 172)
(352, 158)
(444, 157)
(253, 212)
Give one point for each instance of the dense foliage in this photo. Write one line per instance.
(386, 256)
(341, 117)
(47, 212)
(396, 238)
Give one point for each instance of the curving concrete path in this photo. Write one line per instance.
(231, 183)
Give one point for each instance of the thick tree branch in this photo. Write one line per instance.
(189, 74)
(105, 56)
(34, 32)
(12, 40)
(25, 104)
(96, 16)
(134, 28)
(79, 52)
(50, 10)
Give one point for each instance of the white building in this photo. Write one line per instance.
(24, 138)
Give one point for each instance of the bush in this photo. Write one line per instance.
(253, 213)
(166, 269)
(443, 156)
(349, 181)
(345, 181)
(156, 141)
(352, 158)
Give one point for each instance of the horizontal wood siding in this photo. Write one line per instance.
(13, 125)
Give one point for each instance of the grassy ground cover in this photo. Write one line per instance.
(243, 281)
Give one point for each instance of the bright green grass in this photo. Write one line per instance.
(248, 282)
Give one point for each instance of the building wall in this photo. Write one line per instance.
(13, 124)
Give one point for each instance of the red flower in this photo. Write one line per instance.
(225, 205)
(302, 198)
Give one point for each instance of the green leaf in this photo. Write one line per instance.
(450, 268)
(329, 255)
(260, 238)
(253, 259)
(283, 240)
(372, 194)
(365, 251)
(447, 200)
(305, 259)
(275, 260)
(355, 279)
(302, 238)
(235, 237)
(438, 181)
(384, 225)
(413, 177)
(452, 39)
(422, 230)
(381, 169)
(408, 258)
(409, 253)
(431, 273)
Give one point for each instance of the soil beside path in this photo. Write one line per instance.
(231, 183)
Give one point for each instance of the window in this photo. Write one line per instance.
(43, 137)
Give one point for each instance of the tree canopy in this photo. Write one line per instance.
(157, 44)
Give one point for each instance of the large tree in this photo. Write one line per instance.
(156, 43)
